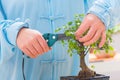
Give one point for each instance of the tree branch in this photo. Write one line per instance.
(88, 48)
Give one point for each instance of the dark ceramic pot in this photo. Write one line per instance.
(97, 77)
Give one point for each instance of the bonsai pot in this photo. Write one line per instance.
(97, 77)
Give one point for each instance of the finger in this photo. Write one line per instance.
(82, 29)
(32, 50)
(103, 39)
(43, 43)
(28, 53)
(37, 46)
(94, 39)
(89, 35)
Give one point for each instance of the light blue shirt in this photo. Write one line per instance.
(44, 16)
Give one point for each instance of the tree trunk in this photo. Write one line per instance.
(85, 70)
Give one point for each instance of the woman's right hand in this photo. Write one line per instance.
(31, 42)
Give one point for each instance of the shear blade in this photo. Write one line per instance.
(63, 37)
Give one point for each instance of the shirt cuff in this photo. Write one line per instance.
(102, 13)
(13, 30)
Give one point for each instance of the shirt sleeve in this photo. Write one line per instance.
(107, 11)
(8, 34)
(10, 29)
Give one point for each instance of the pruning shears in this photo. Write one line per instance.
(52, 38)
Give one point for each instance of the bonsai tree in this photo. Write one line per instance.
(75, 46)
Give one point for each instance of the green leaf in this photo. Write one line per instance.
(93, 66)
(111, 48)
(58, 29)
(70, 23)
